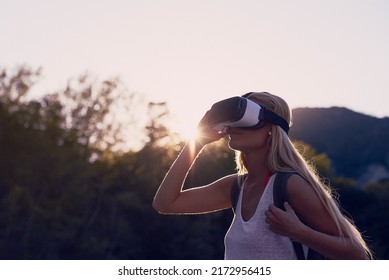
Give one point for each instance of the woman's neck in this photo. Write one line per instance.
(256, 164)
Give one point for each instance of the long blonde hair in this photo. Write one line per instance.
(283, 156)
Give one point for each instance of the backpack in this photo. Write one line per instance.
(279, 197)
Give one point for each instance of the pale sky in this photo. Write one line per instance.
(192, 53)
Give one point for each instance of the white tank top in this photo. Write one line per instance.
(252, 240)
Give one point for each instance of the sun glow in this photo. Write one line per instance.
(186, 114)
(187, 132)
(187, 129)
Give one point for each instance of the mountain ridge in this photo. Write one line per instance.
(355, 142)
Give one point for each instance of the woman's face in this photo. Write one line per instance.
(246, 140)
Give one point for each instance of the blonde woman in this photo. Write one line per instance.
(259, 229)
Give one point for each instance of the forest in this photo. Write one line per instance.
(70, 190)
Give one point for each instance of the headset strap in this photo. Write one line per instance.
(275, 119)
(272, 117)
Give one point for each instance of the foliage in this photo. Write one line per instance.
(320, 162)
(66, 192)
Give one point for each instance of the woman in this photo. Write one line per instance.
(259, 229)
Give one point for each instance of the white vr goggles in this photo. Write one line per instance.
(243, 113)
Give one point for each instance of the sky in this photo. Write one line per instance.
(192, 53)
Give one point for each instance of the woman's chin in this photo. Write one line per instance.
(233, 145)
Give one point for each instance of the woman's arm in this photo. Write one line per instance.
(170, 198)
(318, 231)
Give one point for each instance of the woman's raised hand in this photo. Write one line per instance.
(206, 134)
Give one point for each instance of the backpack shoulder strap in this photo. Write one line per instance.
(235, 190)
(280, 195)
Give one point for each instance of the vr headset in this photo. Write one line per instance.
(243, 113)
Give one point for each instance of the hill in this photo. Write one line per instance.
(357, 144)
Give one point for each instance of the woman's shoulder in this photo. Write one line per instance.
(227, 182)
(300, 191)
(304, 199)
(302, 195)
(297, 183)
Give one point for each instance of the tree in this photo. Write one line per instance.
(52, 193)
(320, 161)
(157, 132)
(15, 84)
(98, 114)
